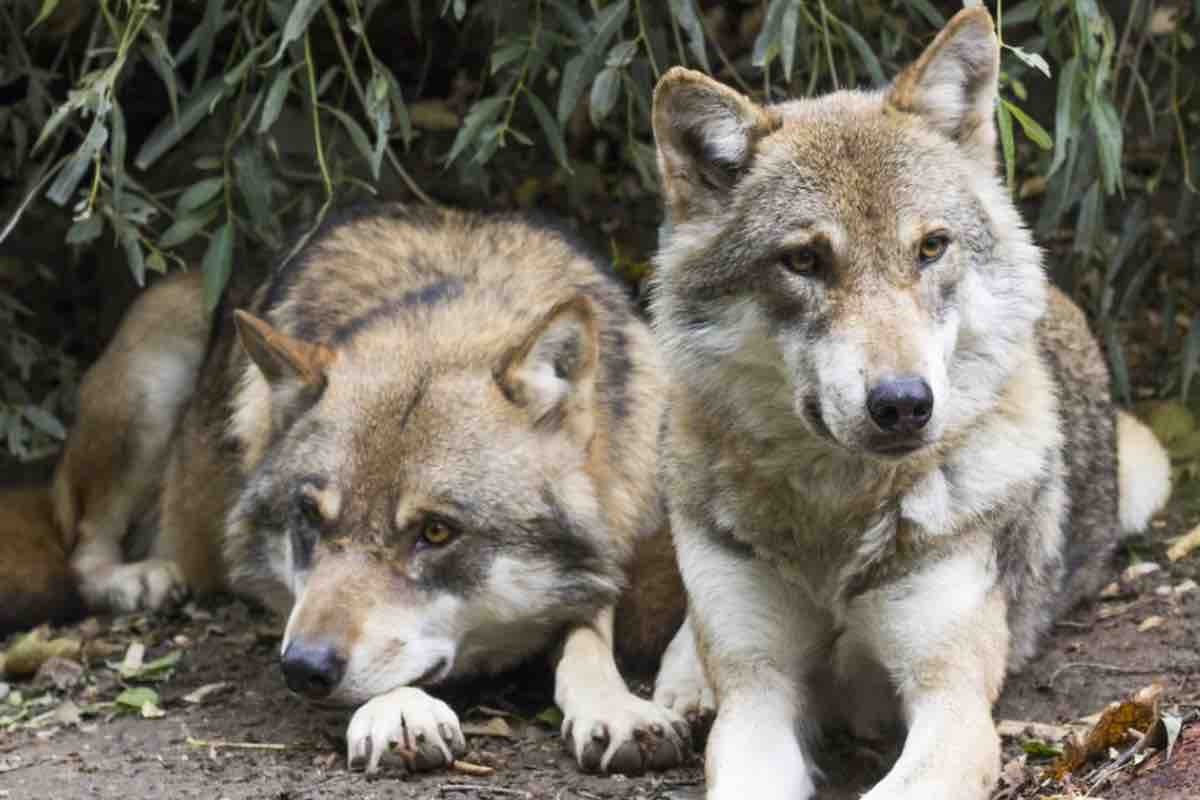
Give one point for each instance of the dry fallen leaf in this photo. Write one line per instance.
(206, 691)
(1014, 728)
(1111, 730)
(33, 649)
(1139, 570)
(1150, 623)
(496, 726)
(1182, 545)
(134, 658)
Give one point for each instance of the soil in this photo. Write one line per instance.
(255, 740)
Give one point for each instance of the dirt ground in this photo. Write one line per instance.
(249, 738)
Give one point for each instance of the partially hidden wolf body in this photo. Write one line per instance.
(891, 454)
(430, 440)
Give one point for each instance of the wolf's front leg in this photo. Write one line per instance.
(943, 636)
(423, 728)
(757, 637)
(607, 727)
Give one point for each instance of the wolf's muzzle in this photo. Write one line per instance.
(312, 669)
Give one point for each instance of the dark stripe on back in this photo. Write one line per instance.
(444, 290)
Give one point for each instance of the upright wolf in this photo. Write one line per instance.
(434, 449)
(891, 454)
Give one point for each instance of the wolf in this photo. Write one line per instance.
(890, 453)
(429, 440)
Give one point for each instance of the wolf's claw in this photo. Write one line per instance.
(611, 732)
(137, 586)
(422, 729)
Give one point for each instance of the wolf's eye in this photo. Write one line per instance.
(932, 248)
(436, 533)
(805, 261)
(310, 510)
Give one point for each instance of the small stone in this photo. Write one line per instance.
(1150, 623)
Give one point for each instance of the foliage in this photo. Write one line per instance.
(197, 131)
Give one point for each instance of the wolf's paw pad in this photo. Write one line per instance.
(138, 586)
(626, 734)
(419, 728)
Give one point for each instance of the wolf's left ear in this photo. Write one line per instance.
(552, 373)
(953, 84)
(282, 358)
(705, 133)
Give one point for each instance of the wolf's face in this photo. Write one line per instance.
(427, 520)
(852, 257)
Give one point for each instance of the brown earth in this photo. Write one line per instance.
(255, 740)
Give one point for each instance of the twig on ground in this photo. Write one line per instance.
(1110, 668)
(481, 787)
(221, 743)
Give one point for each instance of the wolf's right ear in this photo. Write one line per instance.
(705, 133)
(282, 358)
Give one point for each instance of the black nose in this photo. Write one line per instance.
(901, 405)
(312, 669)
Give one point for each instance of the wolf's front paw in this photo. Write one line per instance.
(616, 731)
(687, 693)
(424, 730)
(139, 586)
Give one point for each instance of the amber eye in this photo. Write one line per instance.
(932, 248)
(805, 261)
(436, 533)
(310, 510)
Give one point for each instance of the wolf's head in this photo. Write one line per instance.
(852, 257)
(422, 506)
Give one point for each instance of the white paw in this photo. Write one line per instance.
(686, 694)
(616, 731)
(138, 586)
(423, 729)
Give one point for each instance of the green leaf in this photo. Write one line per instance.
(297, 23)
(483, 112)
(171, 130)
(550, 129)
(1116, 359)
(357, 135)
(685, 14)
(1107, 125)
(217, 265)
(134, 258)
(1033, 60)
(788, 24)
(198, 194)
(1004, 123)
(550, 716)
(582, 68)
(206, 36)
(931, 14)
(137, 696)
(185, 227)
(47, 9)
(117, 154)
(254, 184)
(399, 109)
(276, 96)
(1036, 133)
(766, 44)
(503, 56)
(85, 230)
(1090, 224)
(159, 665)
(158, 54)
(44, 421)
(380, 112)
(1040, 749)
(605, 91)
(621, 54)
(870, 61)
(69, 177)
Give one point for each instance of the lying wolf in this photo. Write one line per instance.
(429, 440)
(891, 453)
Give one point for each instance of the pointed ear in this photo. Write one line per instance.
(953, 84)
(282, 359)
(552, 373)
(705, 133)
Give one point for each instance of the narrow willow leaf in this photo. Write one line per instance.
(297, 23)
(550, 129)
(685, 14)
(158, 54)
(1004, 123)
(399, 107)
(46, 10)
(85, 230)
(198, 194)
(1064, 114)
(117, 154)
(1107, 125)
(482, 113)
(185, 227)
(276, 96)
(357, 135)
(503, 56)
(931, 14)
(1036, 133)
(788, 24)
(621, 54)
(217, 264)
(69, 177)
(210, 25)
(581, 69)
(253, 179)
(1033, 60)
(135, 259)
(1090, 224)
(766, 44)
(870, 61)
(605, 91)
(44, 421)
(171, 130)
